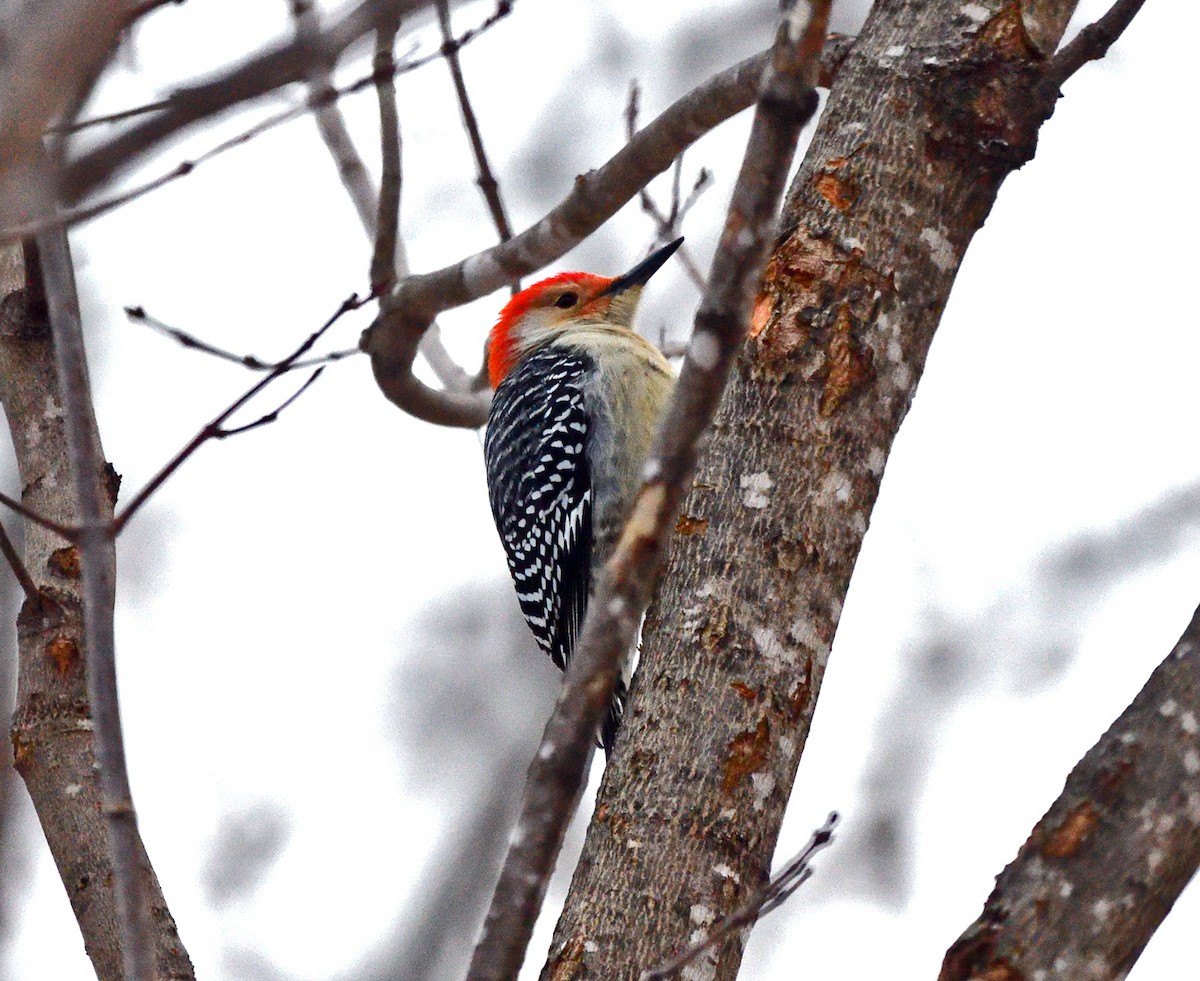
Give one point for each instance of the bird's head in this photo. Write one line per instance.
(554, 306)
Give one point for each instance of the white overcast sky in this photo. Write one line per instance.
(268, 592)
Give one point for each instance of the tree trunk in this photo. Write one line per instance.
(936, 104)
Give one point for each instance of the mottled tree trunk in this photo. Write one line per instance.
(52, 733)
(936, 104)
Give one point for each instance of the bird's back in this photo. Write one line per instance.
(570, 429)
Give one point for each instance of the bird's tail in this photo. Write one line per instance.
(612, 720)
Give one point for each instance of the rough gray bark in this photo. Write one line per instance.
(935, 105)
(52, 730)
(1104, 866)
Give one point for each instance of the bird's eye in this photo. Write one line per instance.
(567, 300)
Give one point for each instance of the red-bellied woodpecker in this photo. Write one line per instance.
(578, 396)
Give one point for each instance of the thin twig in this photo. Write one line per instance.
(214, 428)
(486, 180)
(39, 519)
(97, 562)
(767, 899)
(224, 432)
(139, 315)
(78, 216)
(28, 586)
(704, 181)
(668, 227)
(676, 180)
(1093, 42)
(317, 100)
(786, 101)
(387, 223)
(75, 125)
(259, 75)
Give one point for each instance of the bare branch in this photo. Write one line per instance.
(457, 403)
(387, 225)
(319, 98)
(78, 216)
(446, 368)
(98, 568)
(53, 731)
(786, 101)
(1101, 870)
(330, 124)
(263, 73)
(139, 315)
(214, 429)
(767, 899)
(1091, 43)
(486, 180)
(704, 181)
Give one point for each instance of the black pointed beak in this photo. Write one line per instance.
(641, 273)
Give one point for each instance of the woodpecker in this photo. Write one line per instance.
(577, 398)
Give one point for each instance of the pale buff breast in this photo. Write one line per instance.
(633, 382)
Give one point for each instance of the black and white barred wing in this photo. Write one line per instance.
(540, 487)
